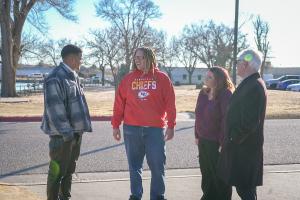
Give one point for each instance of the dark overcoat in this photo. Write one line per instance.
(241, 159)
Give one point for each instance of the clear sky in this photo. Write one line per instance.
(282, 16)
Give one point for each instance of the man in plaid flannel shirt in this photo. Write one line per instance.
(66, 117)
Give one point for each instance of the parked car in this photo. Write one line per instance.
(37, 75)
(96, 79)
(272, 83)
(294, 87)
(282, 85)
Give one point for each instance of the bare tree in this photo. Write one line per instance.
(96, 55)
(13, 15)
(261, 31)
(49, 50)
(29, 47)
(185, 56)
(154, 39)
(130, 18)
(212, 43)
(197, 39)
(167, 55)
(104, 46)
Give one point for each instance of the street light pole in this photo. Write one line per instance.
(236, 27)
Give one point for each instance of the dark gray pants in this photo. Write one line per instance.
(247, 194)
(213, 187)
(62, 165)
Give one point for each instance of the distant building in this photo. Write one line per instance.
(87, 72)
(280, 71)
(30, 70)
(181, 76)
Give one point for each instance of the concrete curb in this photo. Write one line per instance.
(180, 117)
(39, 118)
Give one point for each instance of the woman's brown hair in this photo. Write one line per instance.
(222, 80)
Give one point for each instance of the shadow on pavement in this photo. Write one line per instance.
(46, 164)
(184, 128)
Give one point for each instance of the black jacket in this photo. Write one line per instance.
(241, 160)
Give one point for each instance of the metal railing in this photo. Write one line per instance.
(29, 88)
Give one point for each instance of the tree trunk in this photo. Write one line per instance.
(262, 69)
(127, 55)
(128, 63)
(116, 81)
(190, 77)
(169, 72)
(8, 87)
(103, 78)
(115, 75)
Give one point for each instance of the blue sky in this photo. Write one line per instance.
(282, 16)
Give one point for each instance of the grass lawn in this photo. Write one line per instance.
(281, 104)
(14, 192)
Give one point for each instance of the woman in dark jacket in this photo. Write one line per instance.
(209, 130)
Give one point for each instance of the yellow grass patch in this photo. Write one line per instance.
(14, 192)
(281, 104)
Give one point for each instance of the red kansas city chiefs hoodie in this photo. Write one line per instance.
(145, 100)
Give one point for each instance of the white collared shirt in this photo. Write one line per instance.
(71, 70)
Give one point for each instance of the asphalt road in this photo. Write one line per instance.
(24, 148)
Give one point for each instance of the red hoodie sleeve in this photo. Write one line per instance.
(169, 97)
(119, 105)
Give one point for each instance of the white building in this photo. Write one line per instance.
(280, 71)
(26, 71)
(181, 76)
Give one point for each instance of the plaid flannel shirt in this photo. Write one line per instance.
(65, 108)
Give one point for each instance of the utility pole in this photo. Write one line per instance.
(236, 27)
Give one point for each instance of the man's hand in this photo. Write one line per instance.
(117, 134)
(169, 134)
(196, 141)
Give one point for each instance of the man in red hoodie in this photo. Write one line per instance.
(144, 100)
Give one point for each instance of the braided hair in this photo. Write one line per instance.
(148, 55)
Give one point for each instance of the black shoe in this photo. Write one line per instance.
(161, 198)
(133, 198)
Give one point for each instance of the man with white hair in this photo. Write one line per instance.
(241, 160)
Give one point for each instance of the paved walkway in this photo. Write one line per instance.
(280, 182)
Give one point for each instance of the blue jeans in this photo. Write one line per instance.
(149, 141)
